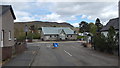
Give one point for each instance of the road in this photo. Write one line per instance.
(68, 54)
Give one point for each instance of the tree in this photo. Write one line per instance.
(99, 42)
(34, 32)
(20, 34)
(83, 27)
(111, 39)
(111, 32)
(32, 28)
(92, 28)
(117, 42)
(98, 24)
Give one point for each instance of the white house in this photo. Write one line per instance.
(112, 22)
(87, 36)
(58, 33)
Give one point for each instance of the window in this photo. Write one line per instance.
(74, 32)
(67, 35)
(9, 35)
(53, 36)
(71, 35)
(2, 38)
(2, 35)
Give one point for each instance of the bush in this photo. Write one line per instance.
(21, 37)
(36, 36)
(100, 42)
(33, 35)
(84, 44)
(106, 44)
(79, 37)
(117, 42)
(29, 35)
(111, 40)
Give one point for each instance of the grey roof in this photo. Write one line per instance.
(5, 8)
(112, 22)
(57, 30)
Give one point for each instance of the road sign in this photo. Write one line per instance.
(26, 28)
(55, 44)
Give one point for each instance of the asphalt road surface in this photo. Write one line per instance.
(70, 54)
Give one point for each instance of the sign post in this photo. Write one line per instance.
(26, 30)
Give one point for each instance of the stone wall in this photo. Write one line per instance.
(6, 52)
(19, 48)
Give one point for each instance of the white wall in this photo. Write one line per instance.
(105, 33)
(73, 37)
(47, 37)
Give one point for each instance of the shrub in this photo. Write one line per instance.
(36, 36)
(99, 42)
(108, 44)
(21, 37)
(29, 35)
(33, 35)
(79, 37)
(84, 44)
(117, 42)
(111, 40)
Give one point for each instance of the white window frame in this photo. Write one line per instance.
(10, 35)
(2, 32)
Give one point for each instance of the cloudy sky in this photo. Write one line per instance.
(71, 12)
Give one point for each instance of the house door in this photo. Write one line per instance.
(62, 36)
(2, 38)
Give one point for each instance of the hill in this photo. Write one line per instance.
(20, 26)
(42, 24)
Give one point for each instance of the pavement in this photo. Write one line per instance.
(67, 54)
(25, 58)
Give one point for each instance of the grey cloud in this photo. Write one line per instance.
(68, 9)
(81, 7)
(93, 9)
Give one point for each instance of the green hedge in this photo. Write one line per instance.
(21, 37)
(33, 35)
(79, 37)
(104, 44)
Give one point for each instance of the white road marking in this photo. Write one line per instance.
(68, 53)
(73, 46)
(29, 64)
